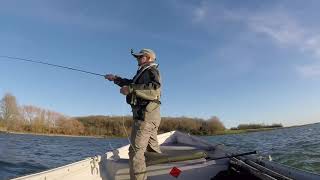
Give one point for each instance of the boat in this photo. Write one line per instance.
(183, 157)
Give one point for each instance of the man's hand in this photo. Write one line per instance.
(110, 77)
(124, 90)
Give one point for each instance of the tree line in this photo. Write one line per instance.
(121, 125)
(28, 118)
(33, 119)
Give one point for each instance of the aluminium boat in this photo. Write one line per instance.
(183, 157)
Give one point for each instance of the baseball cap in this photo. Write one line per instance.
(149, 52)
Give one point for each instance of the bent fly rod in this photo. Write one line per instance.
(49, 64)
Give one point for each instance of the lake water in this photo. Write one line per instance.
(25, 154)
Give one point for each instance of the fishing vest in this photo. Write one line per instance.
(143, 96)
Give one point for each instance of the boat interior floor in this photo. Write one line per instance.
(190, 160)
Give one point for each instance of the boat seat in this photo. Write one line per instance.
(174, 154)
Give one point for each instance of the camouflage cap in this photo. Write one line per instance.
(148, 52)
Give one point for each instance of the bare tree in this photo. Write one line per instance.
(9, 111)
(29, 113)
(38, 119)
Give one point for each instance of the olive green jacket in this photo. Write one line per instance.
(144, 87)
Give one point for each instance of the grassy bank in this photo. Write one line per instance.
(59, 135)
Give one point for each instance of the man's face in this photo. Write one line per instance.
(142, 59)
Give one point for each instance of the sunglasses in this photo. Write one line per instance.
(139, 57)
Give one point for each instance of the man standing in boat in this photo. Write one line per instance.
(143, 94)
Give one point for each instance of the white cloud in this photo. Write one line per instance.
(279, 27)
(277, 23)
(287, 31)
(313, 44)
(199, 14)
(311, 70)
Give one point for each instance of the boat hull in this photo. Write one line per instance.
(193, 156)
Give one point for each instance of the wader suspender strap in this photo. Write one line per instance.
(140, 73)
(133, 99)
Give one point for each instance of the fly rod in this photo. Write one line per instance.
(49, 64)
(233, 155)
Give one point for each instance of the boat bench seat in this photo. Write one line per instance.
(174, 154)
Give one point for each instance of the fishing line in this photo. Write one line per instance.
(73, 69)
(49, 64)
(125, 129)
(111, 146)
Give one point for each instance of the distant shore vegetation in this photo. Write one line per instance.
(32, 119)
(256, 126)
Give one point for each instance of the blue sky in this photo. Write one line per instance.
(245, 62)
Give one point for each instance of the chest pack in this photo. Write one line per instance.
(138, 75)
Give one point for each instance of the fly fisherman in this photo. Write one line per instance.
(143, 94)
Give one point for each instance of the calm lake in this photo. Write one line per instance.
(24, 154)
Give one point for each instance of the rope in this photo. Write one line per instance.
(49, 64)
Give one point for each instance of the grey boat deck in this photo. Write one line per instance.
(198, 168)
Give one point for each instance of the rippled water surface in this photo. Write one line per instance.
(25, 154)
(297, 147)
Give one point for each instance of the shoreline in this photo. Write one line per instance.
(226, 132)
(97, 136)
(57, 135)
